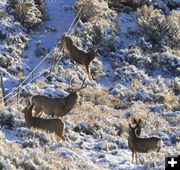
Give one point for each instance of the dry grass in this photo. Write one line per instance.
(91, 113)
(102, 97)
(151, 121)
(170, 98)
(135, 85)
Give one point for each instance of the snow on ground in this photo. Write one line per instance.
(128, 27)
(60, 16)
(125, 88)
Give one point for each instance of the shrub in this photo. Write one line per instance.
(92, 10)
(158, 28)
(2, 13)
(12, 3)
(21, 11)
(41, 6)
(5, 62)
(28, 14)
(88, 10)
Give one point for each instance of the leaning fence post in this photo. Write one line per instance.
(3, 90)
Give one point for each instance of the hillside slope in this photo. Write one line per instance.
(136, 76)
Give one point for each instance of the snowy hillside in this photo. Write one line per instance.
(137, 75)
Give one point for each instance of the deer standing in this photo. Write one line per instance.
(56, 106)
(138, 126)
(49, 125)
(142, 145)
(80, 56)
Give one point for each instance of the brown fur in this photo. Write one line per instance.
(56, 106)
(142, 145)
(80, 56)
(50, 125)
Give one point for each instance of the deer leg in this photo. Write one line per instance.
(132, 156)
(62, 135)
(63, 138)
(88, 70)
(136, 157)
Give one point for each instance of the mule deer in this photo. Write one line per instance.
(80, 56)
(50, 125)
(56, 106)
(142, 145)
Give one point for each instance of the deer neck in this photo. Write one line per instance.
(69, 43)
(91, 56)
(138, 131)
(71, 100)
(133, 136)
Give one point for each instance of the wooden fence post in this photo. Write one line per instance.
(18, 90)
(3, 90)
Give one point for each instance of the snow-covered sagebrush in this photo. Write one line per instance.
(136, 76)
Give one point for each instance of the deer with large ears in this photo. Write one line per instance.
(56, 126)
(75, 53)
(138, 125)
(141, 145)
(56, 106)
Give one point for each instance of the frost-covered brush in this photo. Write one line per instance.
(142, 145)
(80, 56)
(138, 125)
(56, 126)
(56, 106)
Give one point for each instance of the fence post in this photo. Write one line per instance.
(18, 89)
(3, 90)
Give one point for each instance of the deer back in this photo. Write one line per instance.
(42, 100)
(77, 54)
(49, 125)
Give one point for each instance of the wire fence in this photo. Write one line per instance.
(21, 86)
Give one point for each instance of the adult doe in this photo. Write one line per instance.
(56, 126)
(142, 145)
(75, 53)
